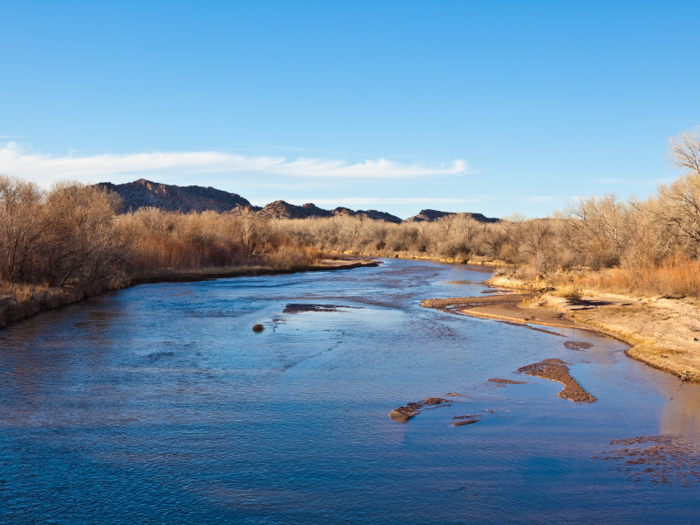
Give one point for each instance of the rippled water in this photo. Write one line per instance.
(159, 404)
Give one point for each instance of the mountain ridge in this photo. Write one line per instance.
(169, 197)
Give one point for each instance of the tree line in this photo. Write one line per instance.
(76, 235)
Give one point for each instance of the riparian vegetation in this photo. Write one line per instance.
(74, 236)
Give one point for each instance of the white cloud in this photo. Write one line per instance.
(365, 201)
(14, 160)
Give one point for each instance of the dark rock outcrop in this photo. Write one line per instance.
(434, 215)
(144, 193)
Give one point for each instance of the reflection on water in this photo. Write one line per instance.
(159, 404)
(681, 413)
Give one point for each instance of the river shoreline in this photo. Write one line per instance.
(414, 257)
(12, 310)
(662, 333)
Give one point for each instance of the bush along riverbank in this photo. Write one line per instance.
(22, 301)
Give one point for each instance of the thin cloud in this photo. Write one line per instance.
(541, 199)
(14, 160)
(364, 201)
(368, 168)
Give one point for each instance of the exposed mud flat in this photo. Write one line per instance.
(301, 308)
(663, 333)
(577, 345)
(667, 461)
(502, 306)
(557, 370)
(403, 414)
(506, 381)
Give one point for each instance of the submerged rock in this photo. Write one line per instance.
(577, 345)
(435, 401)
(506, 381)
(258, 328)
(467, 419)
(403, 414)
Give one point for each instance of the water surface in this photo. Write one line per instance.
(159, 404)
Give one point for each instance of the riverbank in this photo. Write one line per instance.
(26, 301)
(662, 333)
(418, 257)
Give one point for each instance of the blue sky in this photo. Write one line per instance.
(493, 107)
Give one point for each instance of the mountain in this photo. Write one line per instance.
(284, 210)
(433, 215)
(144, 193)
(368, 214)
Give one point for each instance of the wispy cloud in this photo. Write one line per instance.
(541, 199)
(15, 160)
(365, 201)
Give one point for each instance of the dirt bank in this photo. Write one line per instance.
(662, 333)
(502, 306)
(38, 300)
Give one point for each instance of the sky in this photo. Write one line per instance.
(493, 107)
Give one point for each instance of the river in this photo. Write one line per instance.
(159, 404)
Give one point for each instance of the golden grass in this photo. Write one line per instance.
(568, 291)
(675, 277)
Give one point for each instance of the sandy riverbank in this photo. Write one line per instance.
(662, 333)
(34, 301)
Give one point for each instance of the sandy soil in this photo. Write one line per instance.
(662, 333)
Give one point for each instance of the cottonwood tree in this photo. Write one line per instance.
(678, 203)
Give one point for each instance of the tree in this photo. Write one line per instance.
(678, 203)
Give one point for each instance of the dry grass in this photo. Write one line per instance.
(675, 277)
(568, 291)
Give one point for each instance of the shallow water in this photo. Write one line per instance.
(159, 404)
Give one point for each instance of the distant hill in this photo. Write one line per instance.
(433, 215)
(284, 210)
(144, 193)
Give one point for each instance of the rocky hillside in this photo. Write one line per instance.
(143, 193)
(433, 215)
(284, 210)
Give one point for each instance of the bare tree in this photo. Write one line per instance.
(678, 203)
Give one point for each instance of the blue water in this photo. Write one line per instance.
(159, 404)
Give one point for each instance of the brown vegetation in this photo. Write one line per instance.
(73, 238)
(645, 247)
(67, 243)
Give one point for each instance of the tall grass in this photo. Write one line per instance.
(159, 240)
(676, 277)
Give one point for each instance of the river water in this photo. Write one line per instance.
(159, 404)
